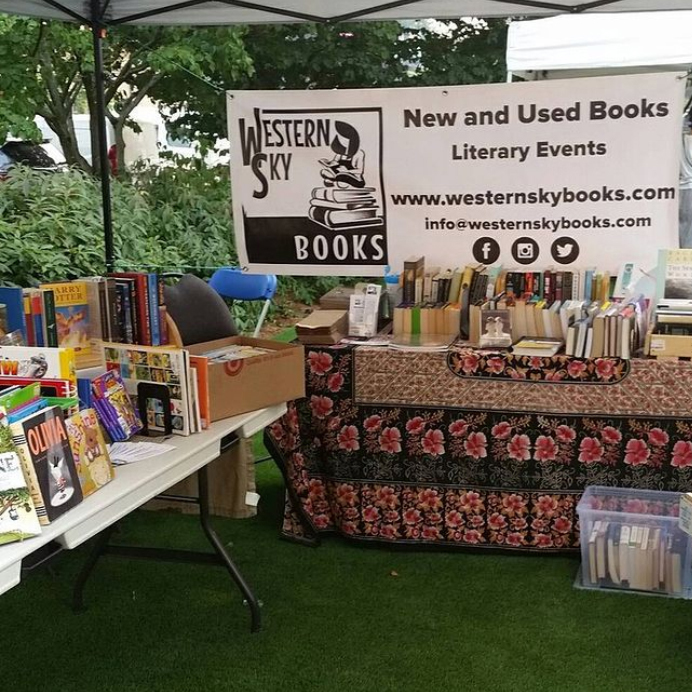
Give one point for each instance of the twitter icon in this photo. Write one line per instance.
(565, 250)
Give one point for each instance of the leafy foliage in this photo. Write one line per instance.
(167, 219)
(343, 56)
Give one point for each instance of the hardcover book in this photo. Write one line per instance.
(18, 518)
(71, 306)
(44, 449)
(89, 450)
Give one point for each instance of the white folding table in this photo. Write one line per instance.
(133, 485)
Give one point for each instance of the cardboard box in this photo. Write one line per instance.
(252, 383)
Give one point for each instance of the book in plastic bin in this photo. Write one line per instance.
(38, 362)
(89, 450)
(44, 449)
(169, 367)
(114, 406)
(71, 305)
(18, 518)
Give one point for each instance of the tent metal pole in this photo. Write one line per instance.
(101, 133)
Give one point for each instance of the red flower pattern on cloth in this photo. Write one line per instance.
(429, 499)
(611, 435)
(415, 426)
(390, 440)
(576, 368)
(605, 369)
(320, 362)
(658, 437)
(335, 382)
(458, 428)
(682, 454)
(495, 365)
(321, 405)
(501, 431)
(348, 438)
(471, 501)
(372, 422)
(545, 449)
(519, 448)
(345, 494)
(469, 363)
(590, 450)
(565, 433)
(476, 445)
(433, 442)
(637, 452)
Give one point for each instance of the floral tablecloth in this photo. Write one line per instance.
(471, 449)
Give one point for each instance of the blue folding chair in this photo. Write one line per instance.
(233, 283)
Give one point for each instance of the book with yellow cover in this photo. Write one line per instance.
(71, 314)
(89, 450)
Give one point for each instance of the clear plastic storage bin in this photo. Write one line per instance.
(630, 541)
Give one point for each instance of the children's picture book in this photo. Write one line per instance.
(115, 408)
(89, 450)
(38, 362)
(18, 518)
(170, 367)
(44, 449)
(71, 305)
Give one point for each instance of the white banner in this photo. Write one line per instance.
(580, 172)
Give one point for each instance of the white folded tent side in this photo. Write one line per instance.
(595, 44)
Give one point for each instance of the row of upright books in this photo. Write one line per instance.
(588, 329)
(122, 307)
(475, 282)
(637, 556)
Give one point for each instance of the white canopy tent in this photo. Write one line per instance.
(200, 12)
(100, 14)
(576, 45)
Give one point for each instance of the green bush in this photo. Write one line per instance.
(168, 219)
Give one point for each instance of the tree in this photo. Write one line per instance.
(344, 56)
(52, 67)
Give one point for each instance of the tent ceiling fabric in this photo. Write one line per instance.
(210, 12)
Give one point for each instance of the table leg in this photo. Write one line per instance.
(213, 538)
(98, 549)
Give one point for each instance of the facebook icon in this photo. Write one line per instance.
(486, 250)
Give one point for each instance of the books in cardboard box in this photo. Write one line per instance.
(44, 449)
(89, 450)
(18, 518)
(156, 365)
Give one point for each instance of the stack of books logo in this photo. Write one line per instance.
(339, 208)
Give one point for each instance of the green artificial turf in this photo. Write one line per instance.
(337, 617)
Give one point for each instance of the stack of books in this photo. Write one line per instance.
(323, 327)
(341, 208)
